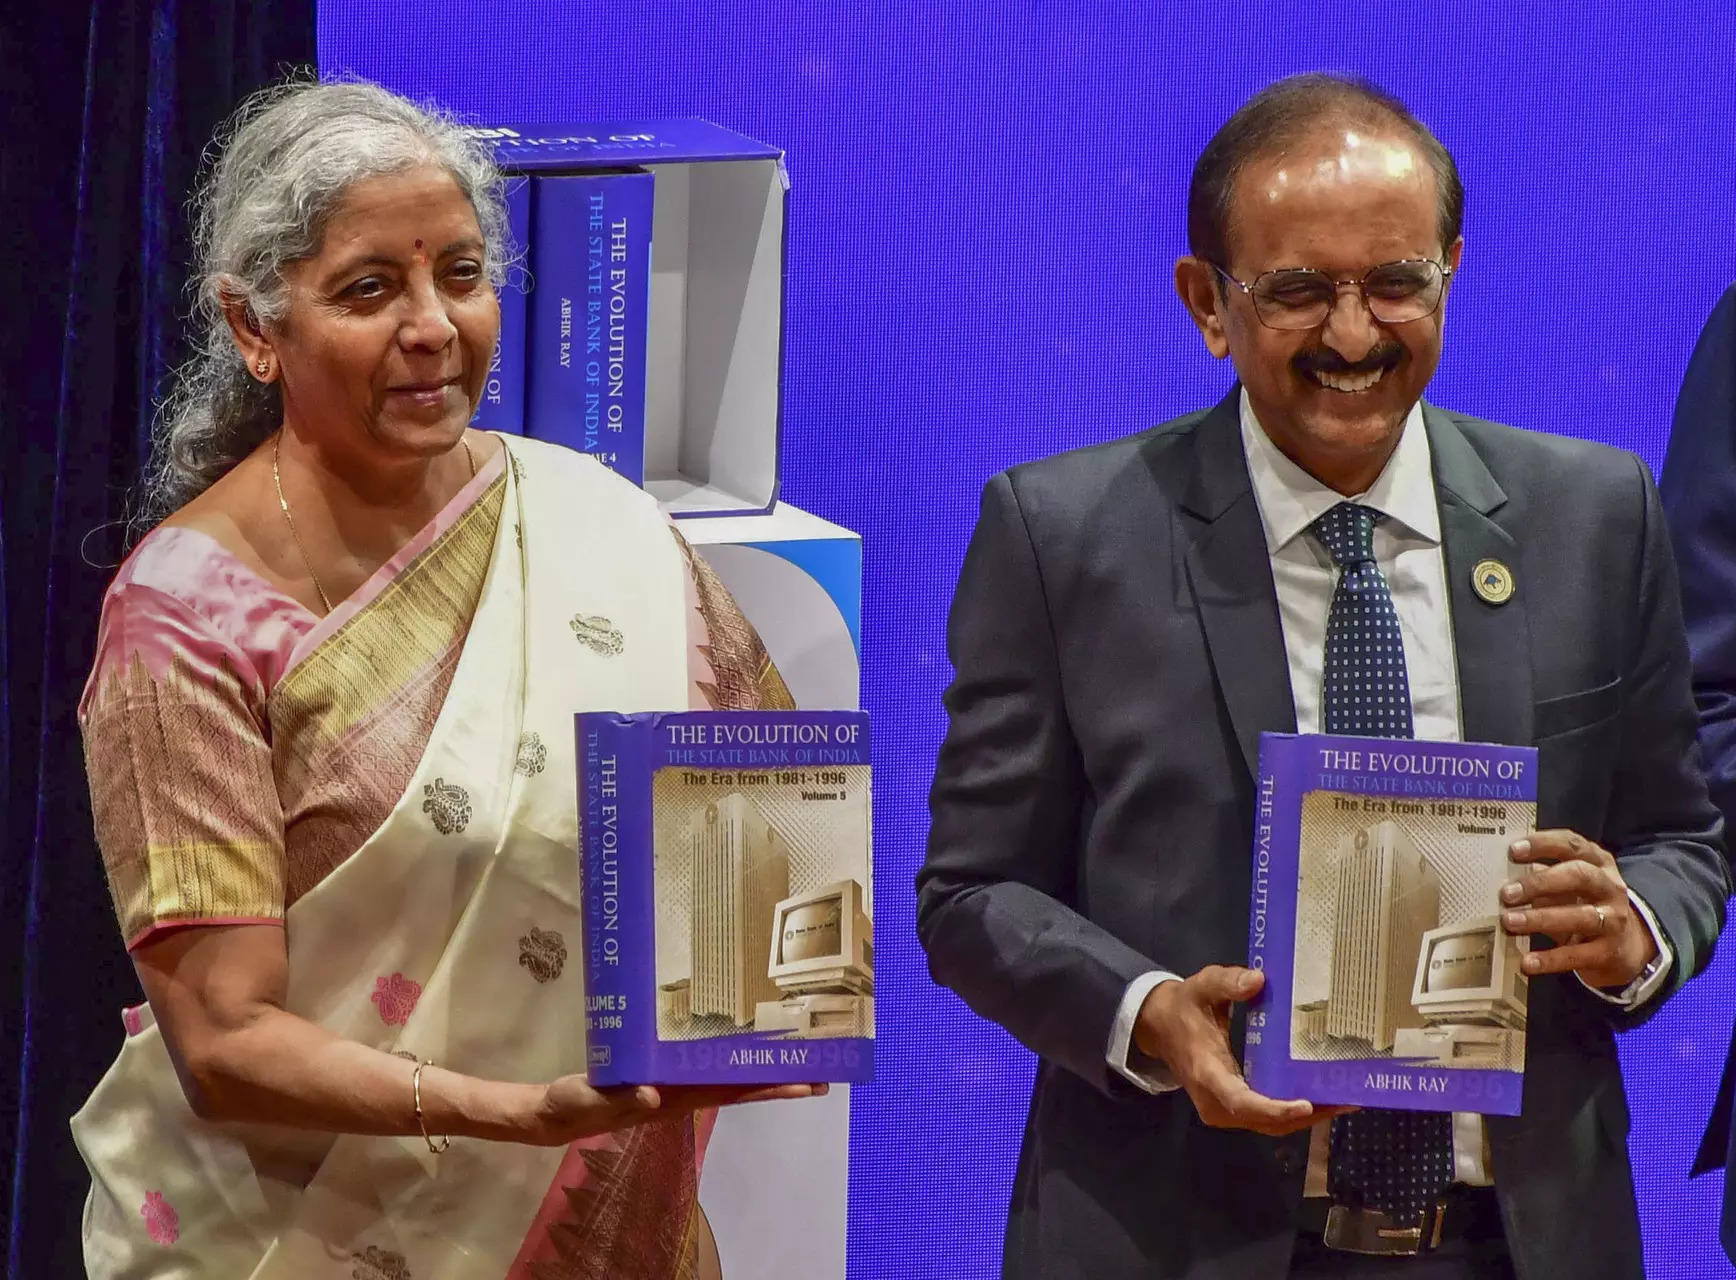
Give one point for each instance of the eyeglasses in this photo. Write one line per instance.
(1302, 298)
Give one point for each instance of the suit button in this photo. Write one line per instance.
(1288, 1160)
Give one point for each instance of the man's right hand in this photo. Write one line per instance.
(1186, 1026)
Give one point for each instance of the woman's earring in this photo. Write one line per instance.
(262, 368)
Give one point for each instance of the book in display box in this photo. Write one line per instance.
(591, 253)
(703, 366)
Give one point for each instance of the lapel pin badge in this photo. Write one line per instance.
(1492, 581)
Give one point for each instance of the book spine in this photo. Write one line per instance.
(1262, 1049)
(502, 406)
(591, 250)
(618, 886)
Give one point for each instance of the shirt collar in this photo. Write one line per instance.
(1290, 499)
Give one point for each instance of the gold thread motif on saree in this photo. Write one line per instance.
(375, 1263)
(447, 805)
(598, 634)
(544, 953)
(533, 756)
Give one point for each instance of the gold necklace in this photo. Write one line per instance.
(277, 479)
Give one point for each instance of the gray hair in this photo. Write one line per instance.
(274, 177)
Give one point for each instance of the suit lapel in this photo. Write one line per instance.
(1230, 573)
(1492, 642)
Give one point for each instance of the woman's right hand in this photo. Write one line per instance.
(572, 1109)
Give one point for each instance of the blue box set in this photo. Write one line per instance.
(645, 326)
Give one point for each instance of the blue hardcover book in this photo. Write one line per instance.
(591, 256)
(1377, 869)
(502, 406)
(729, 931)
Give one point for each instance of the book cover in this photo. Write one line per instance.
(1375, 916)
(591, 257)
(502, 406)
(728, 896)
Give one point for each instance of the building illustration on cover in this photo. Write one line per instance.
(740, 872)
(1388, 895)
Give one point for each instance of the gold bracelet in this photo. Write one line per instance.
(421, 1121)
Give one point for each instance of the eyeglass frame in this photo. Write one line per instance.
(1361, 283)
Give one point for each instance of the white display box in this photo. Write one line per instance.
(798, 579)
(715, 312)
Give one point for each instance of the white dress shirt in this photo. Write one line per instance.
(1407, 547)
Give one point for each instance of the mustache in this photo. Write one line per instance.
(1380, 358)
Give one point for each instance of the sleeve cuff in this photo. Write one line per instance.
(1124, 1057)
(1652, 978)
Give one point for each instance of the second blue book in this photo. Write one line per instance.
(591, 259)
(1375, 915)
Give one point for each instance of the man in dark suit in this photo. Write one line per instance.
(1128, 620)
(1699, 493)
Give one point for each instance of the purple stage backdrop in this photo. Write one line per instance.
(987, 201)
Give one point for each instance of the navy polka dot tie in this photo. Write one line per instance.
(1395, 1161)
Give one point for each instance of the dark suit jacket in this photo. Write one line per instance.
(1118, 651)
(1699, 492)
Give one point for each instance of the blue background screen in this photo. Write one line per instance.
(987, 203)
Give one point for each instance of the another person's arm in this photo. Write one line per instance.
(1698, 486)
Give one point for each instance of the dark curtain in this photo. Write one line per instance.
(107, 108)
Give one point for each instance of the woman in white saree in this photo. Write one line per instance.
(329, 739)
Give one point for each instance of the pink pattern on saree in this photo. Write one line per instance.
(396, 998)
(162, 1223)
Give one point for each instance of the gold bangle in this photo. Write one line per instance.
(421, 1121)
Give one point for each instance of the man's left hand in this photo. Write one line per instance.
(1574, 895)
